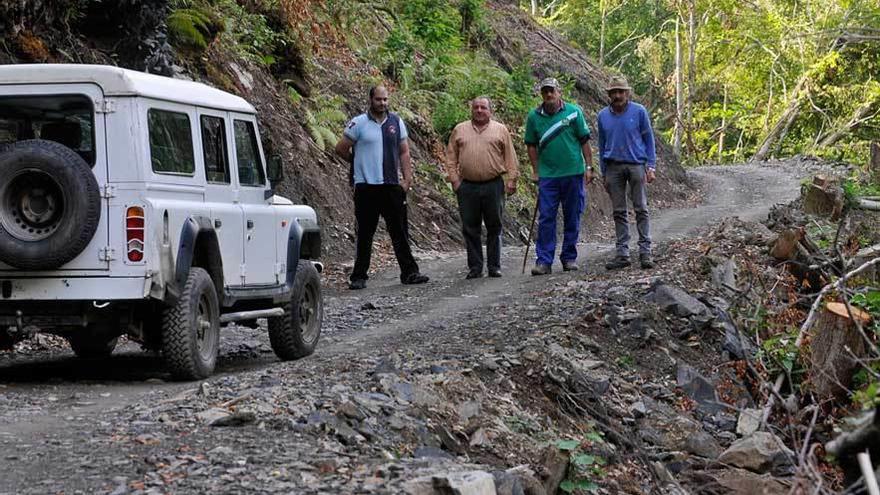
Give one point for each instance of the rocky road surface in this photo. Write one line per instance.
(452, 376)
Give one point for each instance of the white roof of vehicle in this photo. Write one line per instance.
(116, 81)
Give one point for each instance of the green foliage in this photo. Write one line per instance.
(192, 27)
(749, 59)
(324, 120)
(247, 31)
(584, 466)
(854, 188)
(779, 354)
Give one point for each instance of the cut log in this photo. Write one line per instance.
(786, 246)
(835, 349)
(867, 204)
(823, 197)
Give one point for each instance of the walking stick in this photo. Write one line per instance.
(531, 230)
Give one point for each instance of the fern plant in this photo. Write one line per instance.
(324, 121)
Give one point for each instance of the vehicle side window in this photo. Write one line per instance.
(171, 147)
(214, 145)
(250, 167)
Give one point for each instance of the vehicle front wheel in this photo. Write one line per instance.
(191, 329)
(296, 334)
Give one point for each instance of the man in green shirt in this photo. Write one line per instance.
(557, 137)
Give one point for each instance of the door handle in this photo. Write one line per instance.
(250, 224)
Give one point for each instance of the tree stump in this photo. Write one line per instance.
(823, 197)
(786, 246)
(835, 349)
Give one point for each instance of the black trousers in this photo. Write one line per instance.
(389, 202)
(480, 202)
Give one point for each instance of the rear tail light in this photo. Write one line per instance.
(134, 233)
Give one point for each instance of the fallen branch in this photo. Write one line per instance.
(868, 473)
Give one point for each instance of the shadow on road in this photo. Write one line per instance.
(123, 367)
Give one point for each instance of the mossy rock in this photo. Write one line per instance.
(193, 28)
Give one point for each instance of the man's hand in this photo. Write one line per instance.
(650, 175)
(406, 183)
(589, 176)
(510, 187)
(456, 184)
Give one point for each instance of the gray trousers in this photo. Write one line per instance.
(620, 178)
(480, 202)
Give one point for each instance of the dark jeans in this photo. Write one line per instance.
(570, 194)
(480, 202)
(620, 177)
(389, 201)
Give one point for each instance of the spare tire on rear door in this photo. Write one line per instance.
(50, 205)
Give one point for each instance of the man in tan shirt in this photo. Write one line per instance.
(482, 166)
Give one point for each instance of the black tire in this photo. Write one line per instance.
(89, 344)
(296, 334)
(50, 205)
(191, 329)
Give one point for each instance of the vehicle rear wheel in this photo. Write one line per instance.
(191, 329)
(89, 343)
(296, 334)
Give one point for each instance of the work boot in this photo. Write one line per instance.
(646, 261)
(541, 269)
(357, 284)
(569, 266)
(474, 274)
(617, 263)
(495, 273)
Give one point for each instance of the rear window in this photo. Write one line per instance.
(65, 119)
(171, 146)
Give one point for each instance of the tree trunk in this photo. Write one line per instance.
(788, 116)
(723, 127)
(836, 135)
(692, 72)
(534, 4)
(874, 165)
(676, 135)
(603, 12)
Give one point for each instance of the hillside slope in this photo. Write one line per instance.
(306, 68)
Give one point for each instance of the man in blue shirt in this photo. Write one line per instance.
(628, 162)
(375, 143)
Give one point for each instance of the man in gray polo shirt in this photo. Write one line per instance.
(375, 143)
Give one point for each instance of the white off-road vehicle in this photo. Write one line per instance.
(143, 205)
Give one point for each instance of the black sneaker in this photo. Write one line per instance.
(357, 284)
(541, 269)
(495, 273)
(617, 263)
(646, 261)
(569, 266)
(474, 274)
(414, 278)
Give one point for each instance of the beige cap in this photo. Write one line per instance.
(618, 82)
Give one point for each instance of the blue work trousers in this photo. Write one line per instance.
(568, 192)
